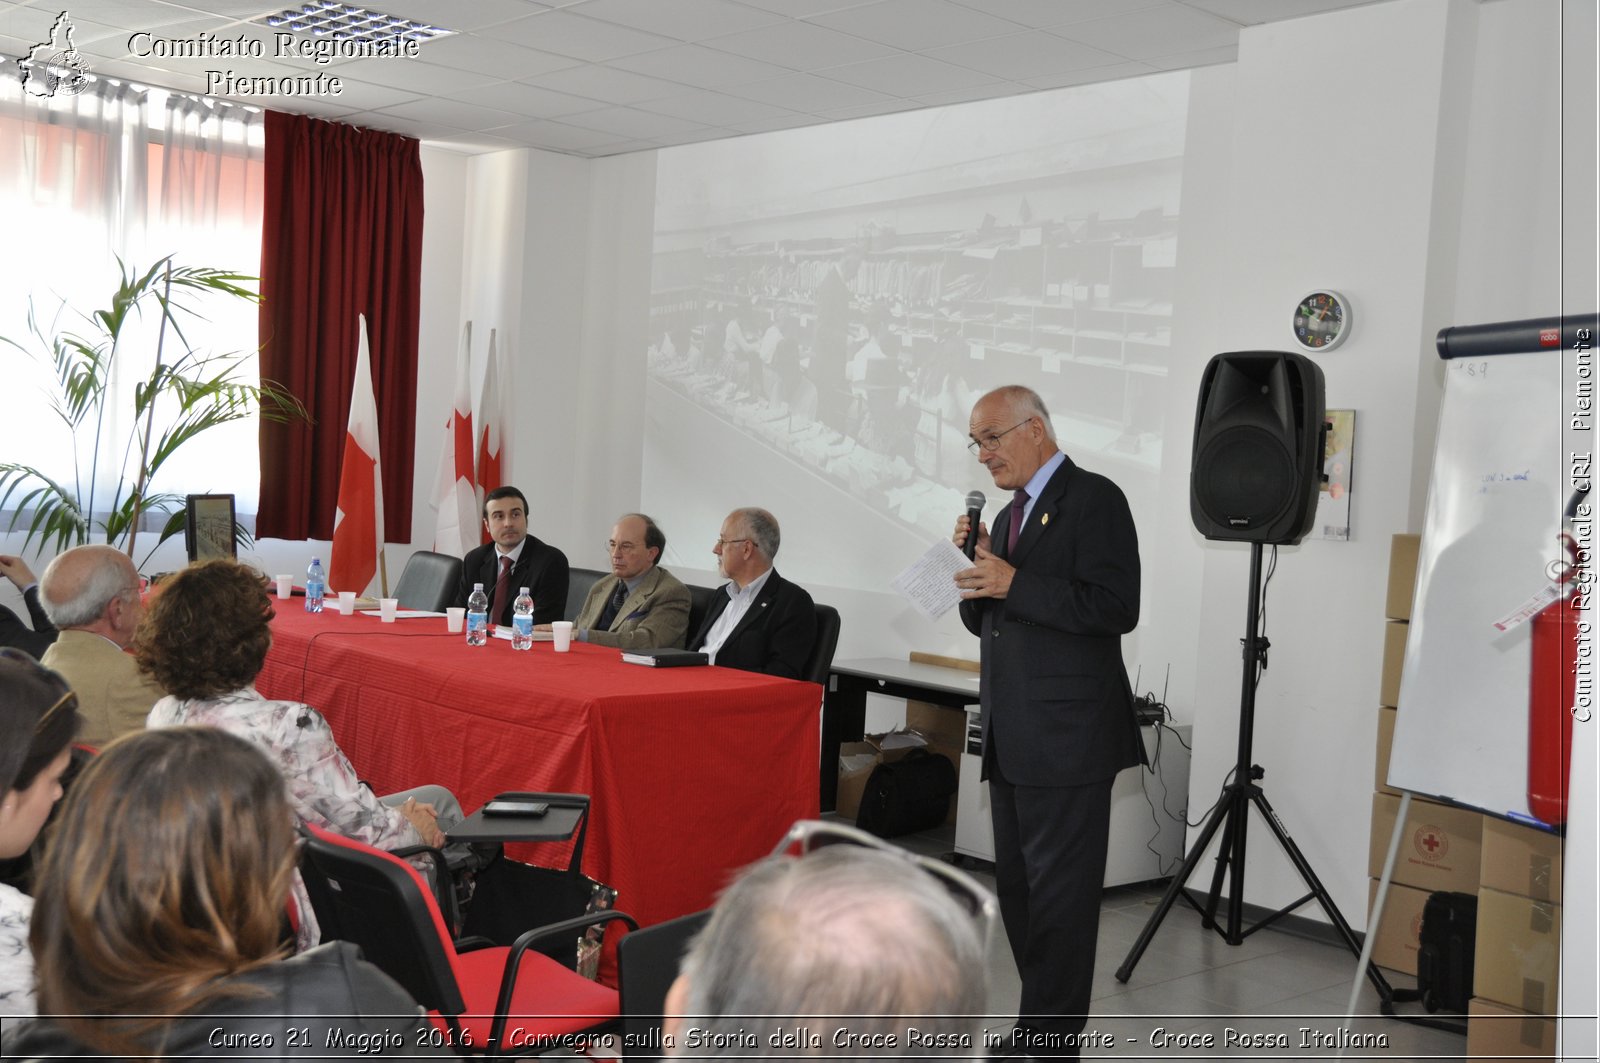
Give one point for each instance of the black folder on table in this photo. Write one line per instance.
(665, 658)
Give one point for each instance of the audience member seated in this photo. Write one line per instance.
(850, 942)
(759, 621)
(13, 632)
(157, 926)
(38, 719)
(92, 595)
(205, 638)
(514, 559)
(640, 605)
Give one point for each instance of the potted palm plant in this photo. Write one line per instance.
(116, 458)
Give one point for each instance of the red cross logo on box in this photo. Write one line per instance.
(1431, 843)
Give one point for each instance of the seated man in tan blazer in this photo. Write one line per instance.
(91, 594)
(640, 605)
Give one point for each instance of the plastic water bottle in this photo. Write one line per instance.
(478, 617)
(522, 621)
(316, 586)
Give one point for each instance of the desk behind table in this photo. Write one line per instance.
(694, 772)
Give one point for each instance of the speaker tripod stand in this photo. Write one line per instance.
(1232, 815)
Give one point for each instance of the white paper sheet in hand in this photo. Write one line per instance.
(930, 582)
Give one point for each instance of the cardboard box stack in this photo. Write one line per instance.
(937, 729)
(1514, 980)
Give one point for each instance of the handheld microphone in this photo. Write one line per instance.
(975, 502)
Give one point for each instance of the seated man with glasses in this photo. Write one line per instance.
(640, 605)
(758, 621)
(857, 948)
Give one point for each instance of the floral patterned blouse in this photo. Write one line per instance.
(16, 961)
(323, 787)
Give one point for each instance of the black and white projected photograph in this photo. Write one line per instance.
(828, 303)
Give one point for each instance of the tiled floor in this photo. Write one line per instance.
(1191, 991)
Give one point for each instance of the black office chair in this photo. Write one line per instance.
(699, 604)
(579, 582)
(647, 964)
(429, 581)
(820, 663)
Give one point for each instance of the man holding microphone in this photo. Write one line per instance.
(1049, 595)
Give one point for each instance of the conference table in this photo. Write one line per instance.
(693, 772)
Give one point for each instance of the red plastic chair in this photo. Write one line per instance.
(491, 1001)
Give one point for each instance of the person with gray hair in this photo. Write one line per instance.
(92, 594)
(849, 950)
(758, 621)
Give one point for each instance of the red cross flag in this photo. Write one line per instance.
(358, 522)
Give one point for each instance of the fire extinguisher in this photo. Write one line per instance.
(1552, 688)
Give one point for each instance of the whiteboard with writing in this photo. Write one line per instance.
(1502, 474)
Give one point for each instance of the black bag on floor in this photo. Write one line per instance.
(907, 795)
(1446, 948)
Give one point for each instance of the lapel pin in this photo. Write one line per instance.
(1044, 519)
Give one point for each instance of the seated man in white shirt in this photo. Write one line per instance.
(759, 621)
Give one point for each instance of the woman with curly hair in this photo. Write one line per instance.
(38, 720)
(157, 924)
(211, 682)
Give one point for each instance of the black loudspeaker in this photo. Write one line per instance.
(1258, 439)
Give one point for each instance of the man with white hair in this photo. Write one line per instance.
(92, 594)
(858, 949)
(758, 621)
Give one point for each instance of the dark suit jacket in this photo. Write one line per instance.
(774, 636)
(541, 568)
(13, 632)
(1057, 708)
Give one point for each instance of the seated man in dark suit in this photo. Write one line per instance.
(758, 621)
(13, 632)
(514, 559)
(640, 606)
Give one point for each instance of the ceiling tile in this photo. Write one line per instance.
(1024, 56)
(530, 101)
(713, 108)
(634, 124)
(416, 76)
(1153, 31)
(1042, 13)
(772, 125)
(701, 67)
(907, 75)
(1100, 73)
(582, 38)
(1186, 60)
(684, 20)
(990, 91)
(554, 135)
(803, 8)
(606, 83)
(844, 114)
(916, 25)
(811, 95)
(800, 46)
(456, 114)
(459, 17)
(488, 54)
(1255, 12)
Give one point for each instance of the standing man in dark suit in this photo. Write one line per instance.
(1050, 595)
(514, 559)
(13, 632)
(758, 621)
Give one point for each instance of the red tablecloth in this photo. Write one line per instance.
(694, 772)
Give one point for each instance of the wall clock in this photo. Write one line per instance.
(1321, 320)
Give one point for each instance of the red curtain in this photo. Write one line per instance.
(341, 237)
